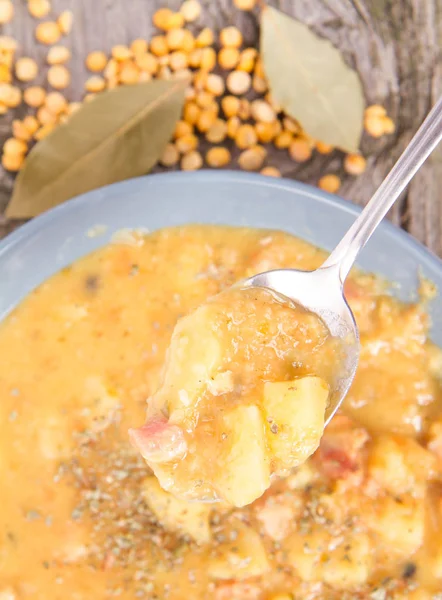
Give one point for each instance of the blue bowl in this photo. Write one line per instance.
(62, 235)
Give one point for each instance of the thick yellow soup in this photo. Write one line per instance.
(82, 515)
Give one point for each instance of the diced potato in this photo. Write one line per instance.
(189, 518)
(192, 361)
(402, 379)
(401, 465)
(399, 523)
(241, 557)
(342, 562)
(246, 467)
(295, 419)
(349, 563)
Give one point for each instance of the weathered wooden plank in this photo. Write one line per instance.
(392, 43)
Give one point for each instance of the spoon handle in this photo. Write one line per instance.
(423, 143)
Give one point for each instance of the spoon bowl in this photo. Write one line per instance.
(321, 293)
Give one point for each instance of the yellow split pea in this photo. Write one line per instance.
(247, 61)
(48, 33)
(270, 172)
(323, 148)
(65, 21)
(205, 120)
(58, 55)
(230, 106)
(166, 19)
(182, 128)
(266, 132)
(44, 131)
(20, 132)
(95, 84)
(46, 117)
(192, 161)
(158, 45)
(262, 111)
(330, 183)
(218, 157)
(147, 62)
(230, 36)
(34, 96)
(355, 164)
(170, 156)
(96, 61)
(246, 136)
(300, 150)
(228, 58)
(56, 103)
(129, 73)
(26, 69)
(10, 96)
(191, 10)
(59, 77)
(186, 143)
(245, 4)
(217, 132)
(39, 8)
(238, 82)
(284, 139)
(205, 38)
(13, 162)
(14, 146)
(252, 159)
(120, 52)
(6, 11)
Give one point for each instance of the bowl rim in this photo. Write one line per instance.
(225, 176)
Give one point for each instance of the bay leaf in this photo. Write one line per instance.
(309, 79)
(120, 134)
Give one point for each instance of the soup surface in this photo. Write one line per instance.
(83, 516)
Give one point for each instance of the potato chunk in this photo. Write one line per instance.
(342, 562)
(399, 523)
(190, 366)
(401, 465)
(242, 556)
(295, 419)
(190, 518)
(246, 472)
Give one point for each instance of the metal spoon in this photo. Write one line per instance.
(321, 291)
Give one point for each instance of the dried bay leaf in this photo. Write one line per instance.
(120, 134)
(310, 80)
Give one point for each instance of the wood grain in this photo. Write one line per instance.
(394, 44)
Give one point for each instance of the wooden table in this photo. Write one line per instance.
(394, 46)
